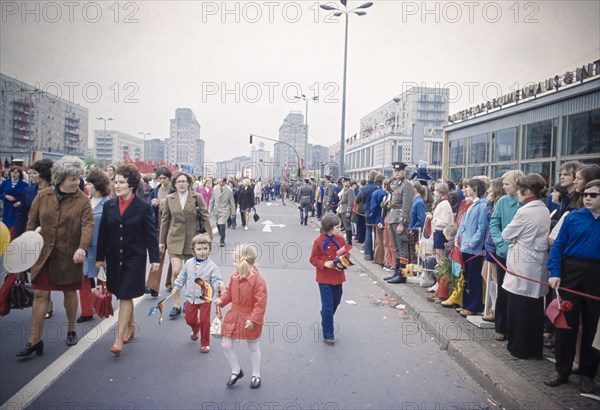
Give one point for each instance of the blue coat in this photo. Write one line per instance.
(89, 265)
(375, 209)
(9, 212)
(417, 213)
(123, 242)
(367, 191)
(473, 227)
(28, 196)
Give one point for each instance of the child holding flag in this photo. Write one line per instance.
(200, 276)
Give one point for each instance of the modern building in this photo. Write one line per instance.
(262, 163)
(185, 147)
(408, 128)
(237, 167)
(319, 157)
(113, 146)
(535, 129)
(292, 147)
(154, 150)
(36, 123)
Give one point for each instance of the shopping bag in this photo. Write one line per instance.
(556, 312)
(216, 324)
(255, 216)
(5, 290)
(21, 296)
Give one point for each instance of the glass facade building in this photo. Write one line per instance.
(536, 135)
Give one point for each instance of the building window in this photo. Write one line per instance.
(457, 152)
(436, 152)
(499, 170)
(537, 142)
(456, 174)
(542, 168)
(581, 134)
(503, 142)
(476, 171)
(478, 149)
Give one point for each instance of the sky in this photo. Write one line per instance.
(239, 64)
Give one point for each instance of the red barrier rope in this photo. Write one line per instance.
(585, 295)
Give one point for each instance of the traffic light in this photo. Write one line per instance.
(250, 138)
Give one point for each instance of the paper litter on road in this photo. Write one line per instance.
(399, 306)
(362, 274)
(351, 302)
(590, 396)
(374, 281)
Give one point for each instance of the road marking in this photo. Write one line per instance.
(268, 224)
(32, 390)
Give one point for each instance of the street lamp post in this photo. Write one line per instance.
(303, 97)
(281, 142)
(105, 120)
(338, 13)
(144, 134)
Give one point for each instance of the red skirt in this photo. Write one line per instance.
(42, 282)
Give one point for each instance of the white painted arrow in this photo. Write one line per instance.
(269, 224)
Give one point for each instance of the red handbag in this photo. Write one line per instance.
(5, 290)
(102, 301)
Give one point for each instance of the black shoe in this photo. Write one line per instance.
(397, 279)
(587, 385)
(222, 245)
(147, 291)
(38, 348)
(234, 378)
(175, 312)
(82, 319)
(556, 379)
(255, 383)
(50, 312)
(71, 338)
(392, 276)
(153, 293)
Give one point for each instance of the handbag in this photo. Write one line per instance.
(201, 228)
(21, 296)
(5, 290)
(255, 216)
(102, 301)
(216, 326)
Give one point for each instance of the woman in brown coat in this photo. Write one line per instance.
(67, 223)
(247, 293)
(179, 225)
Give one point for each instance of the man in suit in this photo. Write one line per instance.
(222, 207)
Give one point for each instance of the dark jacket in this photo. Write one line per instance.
(246, 197)
(28, 196)
(123, 243)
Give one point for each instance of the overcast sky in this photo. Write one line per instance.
(238, 65)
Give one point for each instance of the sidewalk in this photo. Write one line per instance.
(514, 383)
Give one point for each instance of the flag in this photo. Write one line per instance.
(159, 307)
(206, 289)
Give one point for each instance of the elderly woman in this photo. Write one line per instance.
(127, 234)
(11, 194)
(527, 253)
(97, 184)
(470, 236)
(179, 225)
(67, 223)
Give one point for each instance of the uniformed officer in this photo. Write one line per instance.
(399, 218)
(345, 208)
(306, 199)
(329, 188)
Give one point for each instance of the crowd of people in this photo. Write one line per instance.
(529, 239)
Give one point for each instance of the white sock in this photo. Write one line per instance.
(230, 354)
(255, 356)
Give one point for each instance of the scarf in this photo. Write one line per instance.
(326, 243)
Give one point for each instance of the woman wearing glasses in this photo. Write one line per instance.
(573, 263)
(179, 225)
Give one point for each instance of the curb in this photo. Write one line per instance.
(507, 387)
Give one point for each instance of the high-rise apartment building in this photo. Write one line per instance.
(113, 146)
(292, 147)
(185, 148)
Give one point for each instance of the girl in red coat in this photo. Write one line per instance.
(329, 278)
(247, 293)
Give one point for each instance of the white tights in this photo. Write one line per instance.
(231, 355)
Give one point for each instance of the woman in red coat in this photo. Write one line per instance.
(330, 279)
(247, 293)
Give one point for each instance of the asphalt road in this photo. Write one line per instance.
(380, 362)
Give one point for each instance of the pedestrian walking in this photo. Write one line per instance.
(246, 202)
(201, 269)
(306, 198)
(247, 293)
(222, 207)
(345, 208)
(179, 225)
(11, 195)
(330, 279)
(65, 216)
(126, 237)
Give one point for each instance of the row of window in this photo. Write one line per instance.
(580, 135)
(365, 158)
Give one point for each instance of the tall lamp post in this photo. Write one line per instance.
(144, 134)
(303, 97)
(105, 120)
(338, 13)
(281, 142)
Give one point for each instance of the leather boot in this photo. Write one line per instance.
(398, 278)
(395, 271)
